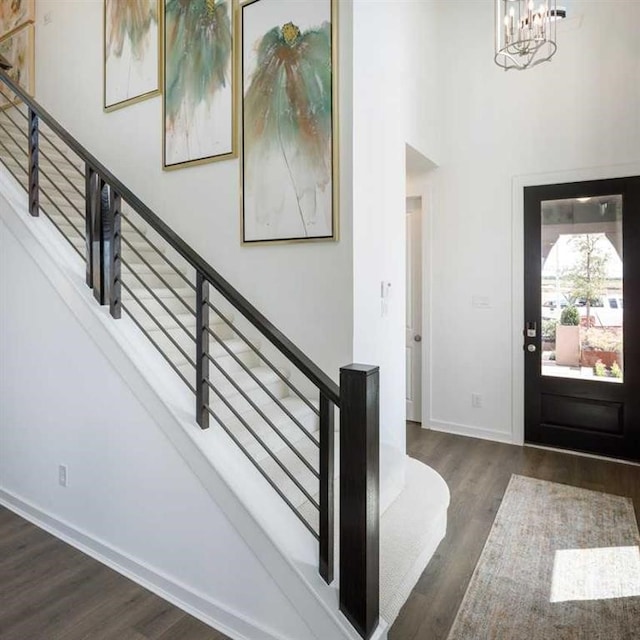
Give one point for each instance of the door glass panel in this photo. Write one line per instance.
(582, 289)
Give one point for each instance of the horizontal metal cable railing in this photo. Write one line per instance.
(271, 400)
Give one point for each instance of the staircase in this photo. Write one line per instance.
(271, 421)
(247, 378)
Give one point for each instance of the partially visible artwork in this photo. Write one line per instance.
(131, 51)
(199, 114)
(18, 49)
(14, 13)
(289, 115)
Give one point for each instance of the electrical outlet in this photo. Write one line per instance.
(476, 401)
(62, 475)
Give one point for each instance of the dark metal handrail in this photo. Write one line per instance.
(357, 396)
(302, 362)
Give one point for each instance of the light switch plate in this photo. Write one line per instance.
(481, 302)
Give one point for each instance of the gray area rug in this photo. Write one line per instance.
(560, 563)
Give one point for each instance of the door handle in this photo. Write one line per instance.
(417, 338)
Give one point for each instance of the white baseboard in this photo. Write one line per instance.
(470, 432)
(212, 613)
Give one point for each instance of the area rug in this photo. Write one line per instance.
(560, 563)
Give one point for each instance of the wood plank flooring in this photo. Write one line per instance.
(51, 591)
(477, 473)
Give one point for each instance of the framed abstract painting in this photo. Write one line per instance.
(18, 49)
(289, 167)
(199, 82)
(132, 40)
(15, 13)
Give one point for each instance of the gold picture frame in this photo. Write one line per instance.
(18, 47)
(272, 14)
(144, 65)
(214, 111)
(16, 14)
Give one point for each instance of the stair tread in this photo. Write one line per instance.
(46, 161)
(296, 468)
(161, 267)
(243, 380)
(284, 426)
(236, 345)
(189, 321)
(184, 292)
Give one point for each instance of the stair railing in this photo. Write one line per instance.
(99, 214)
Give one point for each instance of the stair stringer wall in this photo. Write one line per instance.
(146, 493)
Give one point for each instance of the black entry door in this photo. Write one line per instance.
(582, 315)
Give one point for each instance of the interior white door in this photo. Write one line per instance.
(414, 309)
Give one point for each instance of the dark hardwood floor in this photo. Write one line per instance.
(51, 591)
(477, 473)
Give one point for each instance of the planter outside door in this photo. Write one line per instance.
(568, 345)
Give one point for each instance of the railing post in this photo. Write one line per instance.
(96, 211)
(88, 222)
(360, 496)
(103, 241)
(202, 350)
(34, 189)
(327, 413)
(112, 240)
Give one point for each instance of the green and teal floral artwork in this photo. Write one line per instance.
(198, 96)
(131, 51)
(288, 120)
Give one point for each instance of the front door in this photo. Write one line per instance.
(582, 316)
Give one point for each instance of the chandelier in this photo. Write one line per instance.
(525, 33)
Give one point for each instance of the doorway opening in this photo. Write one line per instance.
(414, 309)
(418, 209)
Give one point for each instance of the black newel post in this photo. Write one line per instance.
(327, 434)
(202, 350)
(360, 496)
(34, 182)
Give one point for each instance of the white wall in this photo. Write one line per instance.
(61, 402)
(395, 103)
(580, 110)
(325, 296)
(311, 291)
(305, 289)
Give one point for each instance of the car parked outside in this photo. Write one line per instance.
(605, 312)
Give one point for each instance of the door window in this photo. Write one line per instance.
(582, 283)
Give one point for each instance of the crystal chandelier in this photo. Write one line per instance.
(525, 33)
